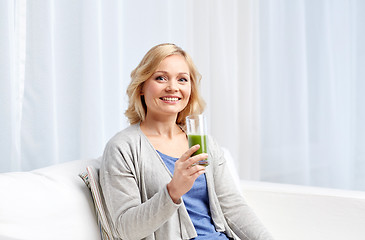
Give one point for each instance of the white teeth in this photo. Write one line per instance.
(170, 99)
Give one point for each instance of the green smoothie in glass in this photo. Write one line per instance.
(196, 130)
(202, 141)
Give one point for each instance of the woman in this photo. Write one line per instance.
(152, 188)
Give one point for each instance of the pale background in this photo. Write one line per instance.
(284, 80)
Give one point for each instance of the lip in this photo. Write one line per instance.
(170, 99)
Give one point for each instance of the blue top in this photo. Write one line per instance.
(197, 204)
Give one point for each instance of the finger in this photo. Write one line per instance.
(195, 168)
(190, 152)
(196, 171)
(196, 159)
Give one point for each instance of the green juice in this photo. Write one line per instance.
(202, 141)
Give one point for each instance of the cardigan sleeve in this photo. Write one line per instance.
(131, 218)
(239, 216)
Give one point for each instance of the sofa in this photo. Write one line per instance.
(55, 203)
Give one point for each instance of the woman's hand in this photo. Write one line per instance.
(185, 173)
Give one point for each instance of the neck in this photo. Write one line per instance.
(165, 126)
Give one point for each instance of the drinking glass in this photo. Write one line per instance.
(196, 129)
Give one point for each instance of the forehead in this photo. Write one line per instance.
(174, 62)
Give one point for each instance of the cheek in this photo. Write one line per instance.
(187, 97)
(187, 91)
(189, 94)
(150, 89)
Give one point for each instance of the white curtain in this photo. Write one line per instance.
(282, 79)
(312, 86)
(61, 82)
(8, 108)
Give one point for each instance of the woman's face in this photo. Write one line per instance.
(167, 91)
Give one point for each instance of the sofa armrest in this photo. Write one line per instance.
(47, 203)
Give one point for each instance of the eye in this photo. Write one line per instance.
(183, 80)
(161, 78)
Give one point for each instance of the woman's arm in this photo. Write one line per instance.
(131, 218)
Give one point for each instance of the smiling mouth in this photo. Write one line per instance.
(170, 99)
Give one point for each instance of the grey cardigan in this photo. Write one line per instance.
(133, 179)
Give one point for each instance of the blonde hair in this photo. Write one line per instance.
(137, 108)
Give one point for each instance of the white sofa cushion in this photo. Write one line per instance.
(48, 203)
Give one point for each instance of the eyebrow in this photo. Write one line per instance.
(164, 72)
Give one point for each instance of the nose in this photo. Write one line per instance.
(172, 86)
